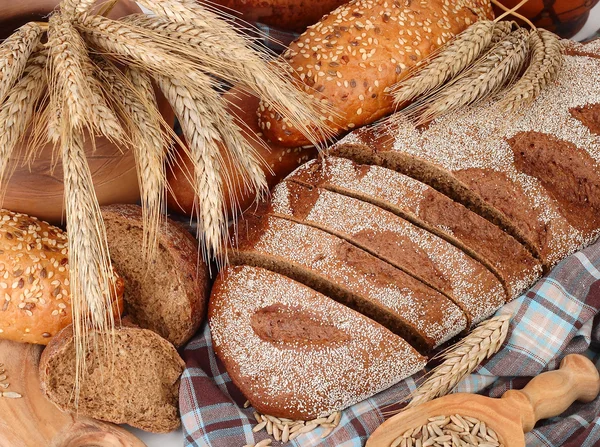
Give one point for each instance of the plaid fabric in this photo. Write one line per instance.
(554, 318)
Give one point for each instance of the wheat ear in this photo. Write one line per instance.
(493, 71)
(462, 358)
(17, 112)
(445, 64)
(148, 142)
(546, 60)
(14, 52)
(73, 7)
(72, 81)
(501, 30)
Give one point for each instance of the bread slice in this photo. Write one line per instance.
(297, 354)
(169, 295)
(535, 175)
(423, 206)
(141, 389)
(422, 316)
(417, 252)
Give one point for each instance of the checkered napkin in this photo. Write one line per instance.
(554, 318)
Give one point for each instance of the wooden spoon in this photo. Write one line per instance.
(33, 420)
(516, 413)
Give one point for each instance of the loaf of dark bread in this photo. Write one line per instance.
(306, 355)
(352, 55)
(535, 175)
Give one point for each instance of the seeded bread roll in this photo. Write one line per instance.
(297, 354)
(35, 295)
(169, 295)
(139, 386)
(352, 55)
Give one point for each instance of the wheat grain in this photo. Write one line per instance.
(546, 60)
(72, 7)
(492, 72)
(14, 53)
(17, 112)
(501, 30)
(446, 63)
(72, 82)
(462, 358)
(148, 142)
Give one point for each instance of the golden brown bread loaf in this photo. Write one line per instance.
(35, 299)
(352, 55)
(278, 161)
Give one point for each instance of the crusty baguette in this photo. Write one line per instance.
(141, 387)
(35, 294)
(169, 295)
(289, 348)
(352, 55)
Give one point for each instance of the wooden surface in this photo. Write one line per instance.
(547, 395)
(34, 421)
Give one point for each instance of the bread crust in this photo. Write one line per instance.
(352, 55)
(193, 272)
(35, 292)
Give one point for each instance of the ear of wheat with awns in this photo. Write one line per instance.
(63, 82)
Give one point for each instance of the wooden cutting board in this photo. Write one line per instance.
(33, 420)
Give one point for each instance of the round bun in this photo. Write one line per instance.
(277, 161)
(35, 296)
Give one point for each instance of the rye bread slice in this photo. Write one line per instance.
(168, 296)
(142, 390)
(297, 354)
(423, 206)
(332, 266)
(536, 174)
(392, 239)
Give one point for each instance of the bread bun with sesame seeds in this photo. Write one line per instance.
(35, 298)
(352, 55)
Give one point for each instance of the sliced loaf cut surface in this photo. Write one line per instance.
(414, 250)
(536, 174)
(423, 206)
(142, 390)
(297, 354)
(422, 316)
(167, 296)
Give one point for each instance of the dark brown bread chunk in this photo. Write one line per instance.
(288, 348)
(332, 266)
(168, 296)
(142, 390)
(428, 209)
(392, 239)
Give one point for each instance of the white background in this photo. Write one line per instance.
(175, 439)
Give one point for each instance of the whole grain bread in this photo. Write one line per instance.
(35, 293)
(169, 294)
(426, 208)
(288, 348)
(392, 239)
(332, 266)
(138, 386)
(536, 175)
(349, 58)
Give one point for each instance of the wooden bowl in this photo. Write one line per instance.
(37, 189)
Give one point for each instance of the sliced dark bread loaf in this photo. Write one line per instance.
(142, 390)
(535, 175)
(428, 209)
(332, 266)
(168, 295)
(297, 354)
(414, 250)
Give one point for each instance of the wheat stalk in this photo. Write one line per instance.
(17, 112)
(14, 52)
(462, 358)
(546, 60)
(148, 142)
(497, 68)
(71, 80)
(445, 64)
